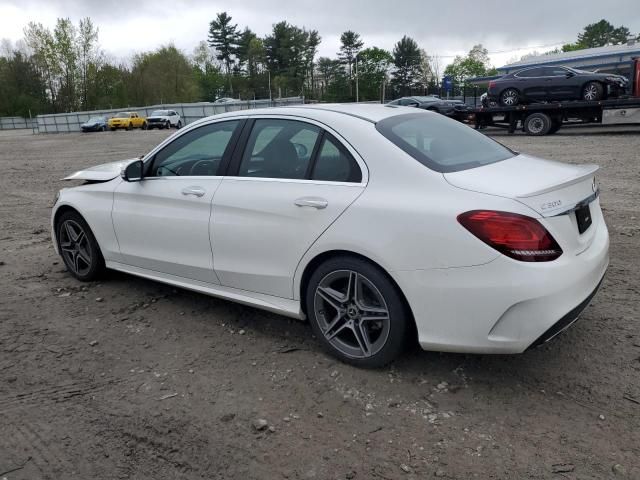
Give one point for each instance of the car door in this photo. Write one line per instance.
(277, 199)
(532, 83)
(162, 221)
(560, 83)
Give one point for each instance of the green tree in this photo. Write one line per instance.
(88, 58)
(64, 35)
(22, 89)
(287, 53)
(41, 42)
(207, 72)
(373, 66)
(351, 44)
(162, 76)
(475, 64)
(602, 33)
(407, 59)
(223, 36)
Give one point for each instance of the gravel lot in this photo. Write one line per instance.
(128, 378)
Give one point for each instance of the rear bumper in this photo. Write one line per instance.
(566, 321)
(504, 306)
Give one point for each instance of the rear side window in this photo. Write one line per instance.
(334, 163)
(531, 72)
(441, 144)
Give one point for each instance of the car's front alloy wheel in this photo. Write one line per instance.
(356, 312)
(78, 247)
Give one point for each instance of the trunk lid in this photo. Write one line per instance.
(552, 189)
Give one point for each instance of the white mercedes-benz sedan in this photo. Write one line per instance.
(376, 223)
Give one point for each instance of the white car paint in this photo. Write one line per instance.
(246, 239)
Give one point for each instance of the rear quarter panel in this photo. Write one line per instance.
(406, 219)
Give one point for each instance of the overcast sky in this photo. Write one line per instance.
(506, 28)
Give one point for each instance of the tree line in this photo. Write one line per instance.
(65, 68)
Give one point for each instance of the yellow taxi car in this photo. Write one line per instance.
(127, 120)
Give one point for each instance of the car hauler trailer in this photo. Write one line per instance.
(548, 118)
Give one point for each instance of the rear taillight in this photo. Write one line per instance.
(517, 236)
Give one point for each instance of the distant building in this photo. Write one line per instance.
(607, 59)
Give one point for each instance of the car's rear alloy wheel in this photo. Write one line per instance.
(510, 97)
(78, 247)
(178, 125)
(356, 312)
(592, 91)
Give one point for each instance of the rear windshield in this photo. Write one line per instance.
(442, 144)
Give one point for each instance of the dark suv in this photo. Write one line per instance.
(549, 83)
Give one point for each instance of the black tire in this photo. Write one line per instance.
(592, 91)
(113, 129)
(90, 270)
(537, 124)
(389, 334)
(144, 125)
(555, 126)
(179, 125)
(130, 127)
(510, 97)
(168, 125)
(104, 129)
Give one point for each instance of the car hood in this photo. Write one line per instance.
(100, 173)
(546, 186)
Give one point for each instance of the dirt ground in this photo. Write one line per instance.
(130, 379)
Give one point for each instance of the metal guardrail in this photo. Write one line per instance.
(190, 112)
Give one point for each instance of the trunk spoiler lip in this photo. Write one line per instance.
(587, 170)
(580, 204)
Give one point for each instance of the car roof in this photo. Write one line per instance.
(371, 113)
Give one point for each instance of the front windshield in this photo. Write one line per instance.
(441, 144)
(121, 115)
(160, 113)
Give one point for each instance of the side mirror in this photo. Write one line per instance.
(133, 171)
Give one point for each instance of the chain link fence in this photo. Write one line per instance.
(190, 112)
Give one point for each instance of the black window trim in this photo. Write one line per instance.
(232, 168)
(231, 146)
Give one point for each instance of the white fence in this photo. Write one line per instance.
(15, 123)
(190, 112)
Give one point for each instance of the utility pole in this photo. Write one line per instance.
(357, 93)
(270, 100)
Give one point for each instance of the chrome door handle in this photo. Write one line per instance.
(197, 191)
(314, 202)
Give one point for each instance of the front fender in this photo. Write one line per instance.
(95, 203)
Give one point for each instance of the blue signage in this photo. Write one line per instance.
(447, 83)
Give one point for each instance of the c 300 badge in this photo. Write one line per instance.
(551, 205)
